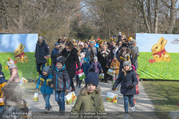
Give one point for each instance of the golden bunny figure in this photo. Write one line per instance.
(159, 52)
(20, 56)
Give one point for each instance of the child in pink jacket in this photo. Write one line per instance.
(78, 81)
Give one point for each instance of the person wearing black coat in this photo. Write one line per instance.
(104, 59)
(41, 53)
(53, 53)
(125, 54)
(70, 53)
(128, 81)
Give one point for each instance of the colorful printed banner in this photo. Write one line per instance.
(10, 42)
(21, 48)
(158, 57)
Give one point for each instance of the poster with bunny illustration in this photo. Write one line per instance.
(158, 56)
(21, 48)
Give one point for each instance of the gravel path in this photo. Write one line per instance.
(144, 107)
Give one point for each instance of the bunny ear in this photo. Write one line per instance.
(127, 57)
(122, 58)
(9, 58)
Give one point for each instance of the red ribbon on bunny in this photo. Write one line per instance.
(20, 55)
(160, 53)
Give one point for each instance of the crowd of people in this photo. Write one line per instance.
(91, 57)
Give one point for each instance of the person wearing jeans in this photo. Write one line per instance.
(128, 99)
(60, 99)
(47, 101)
(45, 81)
(39, 67)
(128, 80)
(78, 81)
(60, 83)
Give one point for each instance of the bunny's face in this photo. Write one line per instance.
(159, 46)
(19, 50)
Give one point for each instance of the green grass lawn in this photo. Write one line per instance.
(158, 70)
(26, 70)
(164, 95)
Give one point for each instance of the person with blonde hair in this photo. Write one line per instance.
(13, 72)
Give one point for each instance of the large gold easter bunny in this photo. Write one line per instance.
(20, 56)
(159, 52)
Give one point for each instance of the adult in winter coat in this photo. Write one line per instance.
(113, 50)
(41, 53)
(54, 52)
(103, 58)
(86, 50)
(128, 81)
(125, 54)
(92, 50)
(70, 53)
(135, 49)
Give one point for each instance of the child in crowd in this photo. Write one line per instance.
(60, 83)
(137, 86)
(13, 72)
(45, 81)
(89, 99)
(55, 51)
(2, 83)
(115, 64)
(85, 65)
(128, 81)
(96, 66)
(78, 81)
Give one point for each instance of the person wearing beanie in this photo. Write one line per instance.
(42, 53)
(2, 84)
(45, 81)
(55, 51)
(128, 80)
(60, 83)
(89, 99)
(96, 66)
(13, 72)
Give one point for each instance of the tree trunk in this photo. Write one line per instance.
(145, 17)
(156, 17)
(149, 14)
(172, 16)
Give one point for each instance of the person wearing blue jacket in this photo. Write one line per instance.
(85, 66)
(55, 51)
(60, 83)
(45, 81)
